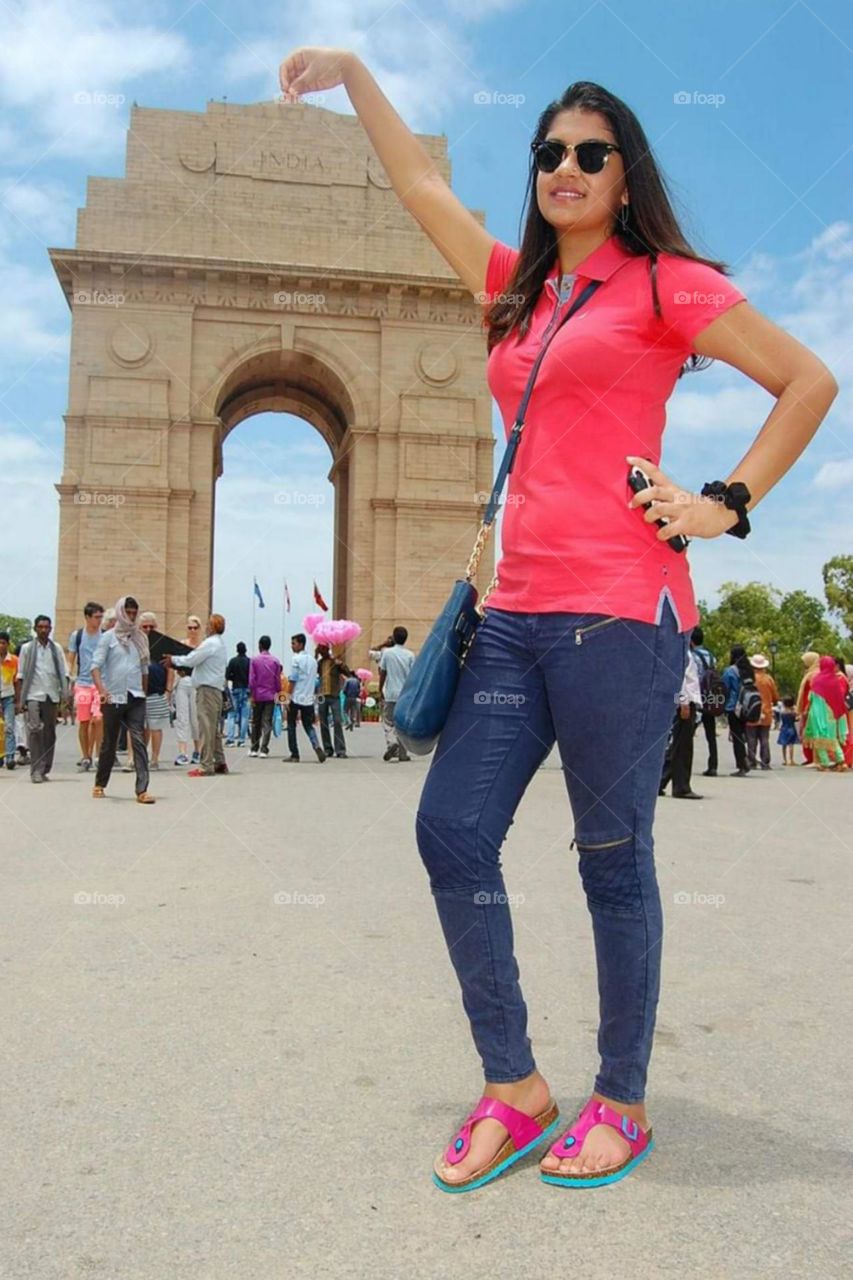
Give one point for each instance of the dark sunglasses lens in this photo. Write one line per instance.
(591, 156)
(549, 156)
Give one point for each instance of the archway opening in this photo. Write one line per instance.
(281, 495)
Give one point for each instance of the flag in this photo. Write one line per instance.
(258, 594)
(286, 598)
(318, 599)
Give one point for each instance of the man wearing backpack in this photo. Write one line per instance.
(713, 693)
(737, 725)
(758, 734)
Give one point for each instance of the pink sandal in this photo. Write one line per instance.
(639, 1140)
(525, 1133)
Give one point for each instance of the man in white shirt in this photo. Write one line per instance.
(208, 662)
(41, 684)
(120, 674)
(301, 686)
(394, 667)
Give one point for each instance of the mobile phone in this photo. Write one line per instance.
(637, 482)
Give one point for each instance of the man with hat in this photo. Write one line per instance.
(758, 734)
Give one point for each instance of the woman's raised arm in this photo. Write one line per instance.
(453, 229)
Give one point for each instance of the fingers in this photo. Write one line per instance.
(654, 473)
(657, 493)
(289, 73)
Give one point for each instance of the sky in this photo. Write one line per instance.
(747, 109)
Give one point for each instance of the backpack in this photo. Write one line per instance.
(712, 687)
(749, 703)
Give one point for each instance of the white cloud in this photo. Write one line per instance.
(423, 57)
(835, 475)
(64, 68)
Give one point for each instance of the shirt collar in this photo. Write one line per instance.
(600, 264)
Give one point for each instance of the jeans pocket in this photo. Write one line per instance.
(586, 633)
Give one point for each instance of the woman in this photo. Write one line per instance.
(186, 715)
(826, 718)
(811, 665)
(591, 604)
(208, 662)
(157, 699)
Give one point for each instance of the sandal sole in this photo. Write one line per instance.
(499, 1168)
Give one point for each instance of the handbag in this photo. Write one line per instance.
(424, 704)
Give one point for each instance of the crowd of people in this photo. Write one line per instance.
(125, 690)
(744, 695)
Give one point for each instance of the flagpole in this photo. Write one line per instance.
(283, 617)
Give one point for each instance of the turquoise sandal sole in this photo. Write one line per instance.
(499, 1169)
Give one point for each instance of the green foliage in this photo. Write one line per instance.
(20, 629)
(838, 585)
(757, 616)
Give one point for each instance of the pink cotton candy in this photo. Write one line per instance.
(335, 631)
(311, 621)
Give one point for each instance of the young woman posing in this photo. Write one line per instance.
(589, 624)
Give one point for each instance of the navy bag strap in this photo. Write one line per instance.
(518, 426)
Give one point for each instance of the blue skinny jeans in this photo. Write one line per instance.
(604, 689)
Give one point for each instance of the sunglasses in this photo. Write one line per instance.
(192, 628)
(591, 156)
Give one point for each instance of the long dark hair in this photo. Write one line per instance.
(650, 227)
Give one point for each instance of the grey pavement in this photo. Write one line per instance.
(233, 1042)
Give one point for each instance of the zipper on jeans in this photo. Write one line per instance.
(594, 626)
(608, 844)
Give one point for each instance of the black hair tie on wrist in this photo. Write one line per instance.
(734, 497)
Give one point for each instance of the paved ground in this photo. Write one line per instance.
(235, 1058)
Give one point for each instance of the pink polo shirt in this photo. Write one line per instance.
(570, 542)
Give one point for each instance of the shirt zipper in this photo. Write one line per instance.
(563, 294)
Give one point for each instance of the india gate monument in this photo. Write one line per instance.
(254, 258)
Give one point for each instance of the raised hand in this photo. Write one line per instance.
(308, 70)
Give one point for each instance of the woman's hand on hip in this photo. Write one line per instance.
(688, 513)
(309, 70)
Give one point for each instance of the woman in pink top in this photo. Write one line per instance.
(585, 637)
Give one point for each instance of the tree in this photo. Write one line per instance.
(759, 616)
(20, 629)
(838, 585)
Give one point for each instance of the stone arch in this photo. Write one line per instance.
(310, 289)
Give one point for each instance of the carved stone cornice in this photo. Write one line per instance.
(93, 278)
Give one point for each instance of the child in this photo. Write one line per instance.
(788, 737)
